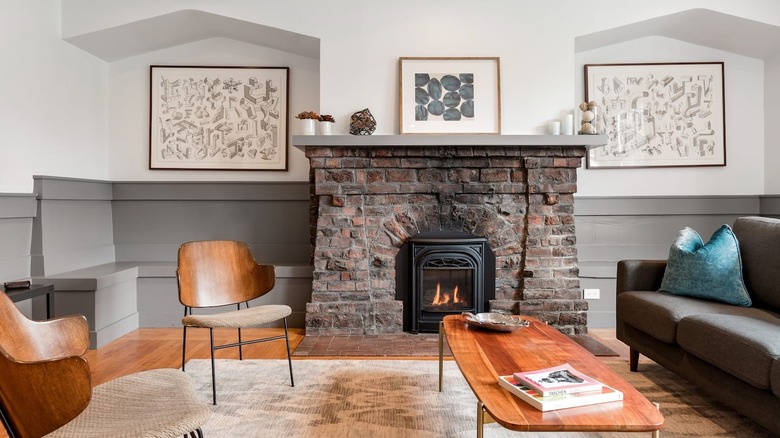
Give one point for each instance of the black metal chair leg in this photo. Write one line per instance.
(289, 358)
(197, 433)
(184, 342)
(7, 425)
(213, 373)
(240, 351)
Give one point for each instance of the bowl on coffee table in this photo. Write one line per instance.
(499, 322)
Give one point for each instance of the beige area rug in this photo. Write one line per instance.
(399, 398)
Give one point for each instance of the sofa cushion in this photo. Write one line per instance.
(743, 346)
(711, 271)
(759, 245)
(775, 376)
(657, 313)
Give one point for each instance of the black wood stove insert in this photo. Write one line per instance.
(442, 273)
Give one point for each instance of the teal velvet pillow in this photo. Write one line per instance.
(711, 271)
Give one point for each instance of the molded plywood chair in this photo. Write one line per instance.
(46, 387)
(215, 273)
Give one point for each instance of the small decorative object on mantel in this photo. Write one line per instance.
(554, 128)
(326, 121)
(307, 119)
(567, 124)
(590, 118)
(362, 123)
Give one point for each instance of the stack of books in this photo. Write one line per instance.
(558, 387)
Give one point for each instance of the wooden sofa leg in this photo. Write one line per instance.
(633, 359)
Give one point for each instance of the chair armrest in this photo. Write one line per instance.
(40, 397)
(55, 338)
(639, 275)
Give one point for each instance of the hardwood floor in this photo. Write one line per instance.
(147, 348)
(607, 337)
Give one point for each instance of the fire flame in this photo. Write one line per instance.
(445, 297)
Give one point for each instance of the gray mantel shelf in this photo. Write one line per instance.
(589, 141)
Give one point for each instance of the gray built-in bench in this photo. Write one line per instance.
(109, 248)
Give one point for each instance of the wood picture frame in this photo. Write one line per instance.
(448, 95)
(218, 118)
(658, 114)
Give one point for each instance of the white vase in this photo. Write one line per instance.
(325, 128)
(307, 126)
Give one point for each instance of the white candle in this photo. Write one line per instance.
(568, 124)
(555, 127)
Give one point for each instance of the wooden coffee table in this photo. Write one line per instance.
(483, 355)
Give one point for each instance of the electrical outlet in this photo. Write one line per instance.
(591, 294)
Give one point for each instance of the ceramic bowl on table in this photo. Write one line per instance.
(500, 322)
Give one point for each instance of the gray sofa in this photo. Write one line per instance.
(730, 352)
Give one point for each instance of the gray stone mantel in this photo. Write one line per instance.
(589, 141)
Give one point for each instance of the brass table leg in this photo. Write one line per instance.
(482, 418)
(657, 433)
(441, 353)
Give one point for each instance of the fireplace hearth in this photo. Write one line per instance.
(442, 273)
(372, 194)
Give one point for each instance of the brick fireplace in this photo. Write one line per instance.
(370, 194)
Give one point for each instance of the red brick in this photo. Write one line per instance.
(494, 175)
(401, 175)
(382, 188)
(319, 152)
(385, 162)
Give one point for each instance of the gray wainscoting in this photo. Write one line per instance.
(73, 229)
(770, 206)
(17, 212)
(616, 228)
(95, 240)
(151, 221)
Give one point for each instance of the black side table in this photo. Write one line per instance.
(35, 290)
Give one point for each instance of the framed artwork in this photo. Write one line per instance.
(450, 96)
(218, 118)
(658, 115)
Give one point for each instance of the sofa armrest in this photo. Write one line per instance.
(639, 275)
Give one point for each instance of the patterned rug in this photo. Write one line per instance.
(399, 398)
(402, 344)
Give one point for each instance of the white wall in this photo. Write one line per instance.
(744, 98)
(128, 145)
(53, 100)
(360, 46)
(772, 133)
(362, 41)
